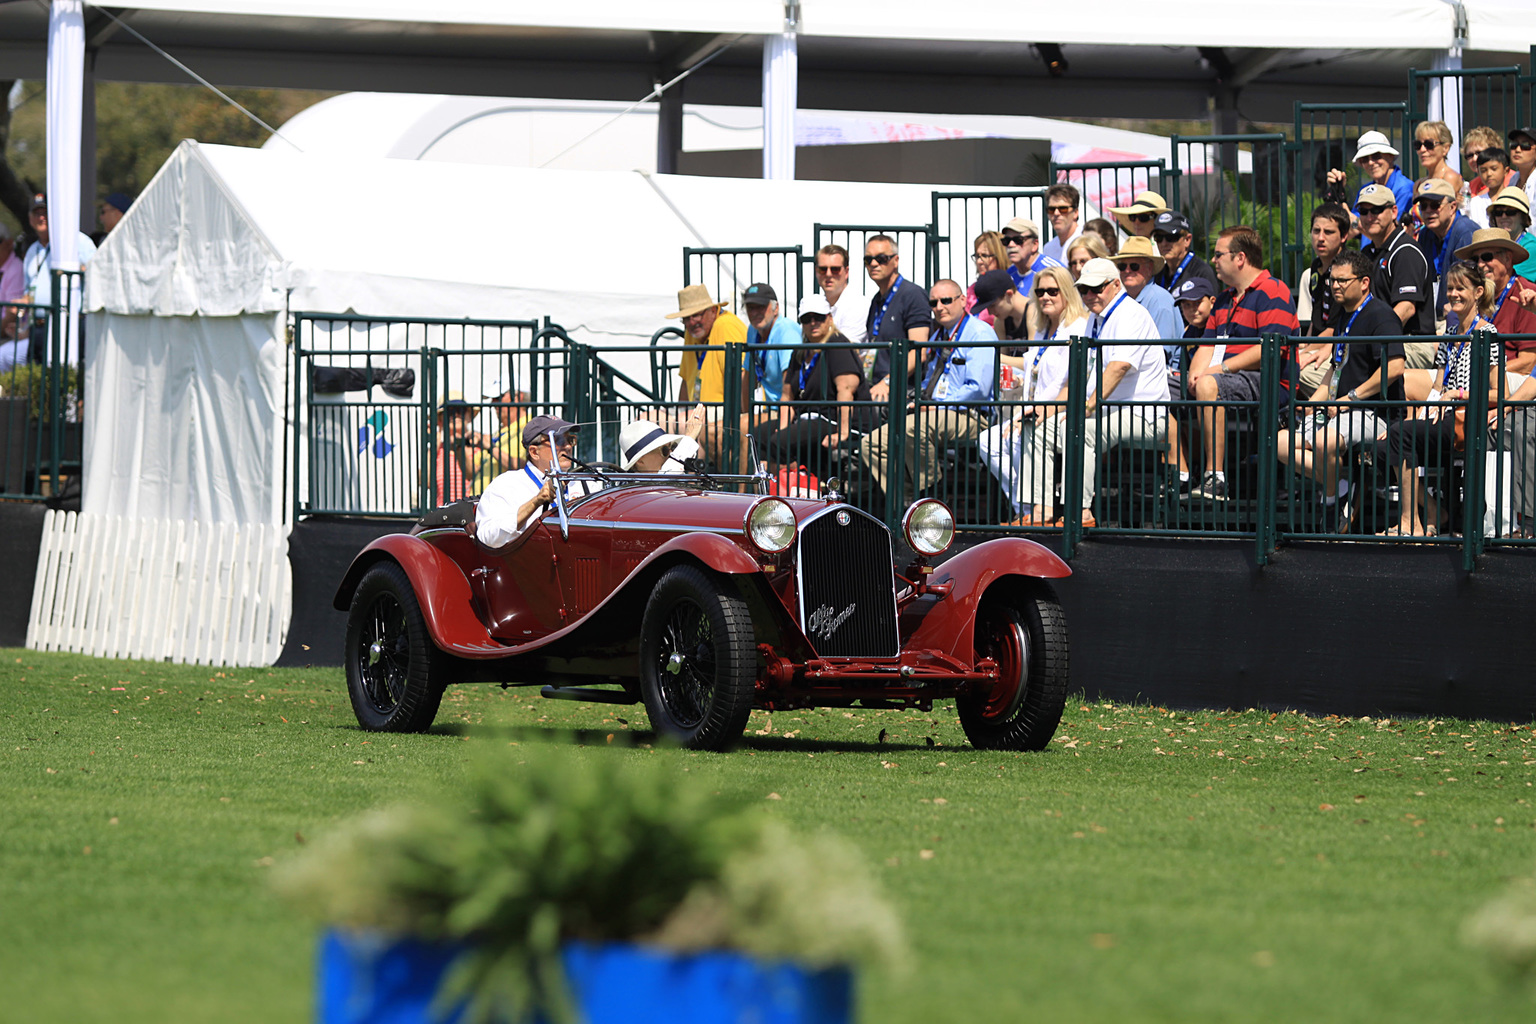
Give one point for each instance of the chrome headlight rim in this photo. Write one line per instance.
(749, 520)
(907, 526)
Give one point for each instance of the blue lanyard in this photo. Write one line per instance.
(1098, 325)
(1444, 245)
(1182, 264)
(1338, 348)
(1502, 296)
(760, 359)
(805, 371)
(874, 329)
(1450, 364)
(528, 469)
(1034, 371)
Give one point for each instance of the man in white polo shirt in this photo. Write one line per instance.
(517, 498)
(1134, 374)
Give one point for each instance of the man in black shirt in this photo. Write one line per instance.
(1402, 278)
(1353, 375)
(899, 309)
(1171, 233)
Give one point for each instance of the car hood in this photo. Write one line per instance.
(682, 508)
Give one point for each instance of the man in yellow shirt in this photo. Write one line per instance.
(708, 327)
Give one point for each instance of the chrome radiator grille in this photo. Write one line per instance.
(847, 587)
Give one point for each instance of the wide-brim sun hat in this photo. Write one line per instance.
(1514, 198)
(1140, 248)
(1371, 143)
(1492, 238)
(1144, 202)
(639, 437)
(693, 299)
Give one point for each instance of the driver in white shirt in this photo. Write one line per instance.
(515, 498)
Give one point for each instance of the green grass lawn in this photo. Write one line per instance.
(1149, 866)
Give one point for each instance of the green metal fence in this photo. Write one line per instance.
(958, 217)
(914, 244)
(42, 394)
(1467, 97)
(1112, 183)
(729, 272)
(1209, 186)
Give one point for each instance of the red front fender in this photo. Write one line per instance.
(719, 553)
(440, 586)
(949, 624)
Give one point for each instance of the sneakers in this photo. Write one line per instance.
(1212, 486)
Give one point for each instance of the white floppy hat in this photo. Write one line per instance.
(639, 437)
(1370, 144)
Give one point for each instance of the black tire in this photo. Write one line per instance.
(395, 673)
(698, 660)
(1027, 635)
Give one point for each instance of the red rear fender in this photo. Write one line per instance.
(440, 586)
(949, 624)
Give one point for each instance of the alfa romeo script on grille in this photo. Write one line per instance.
(824, 621)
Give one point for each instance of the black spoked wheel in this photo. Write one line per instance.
(698, 660)
(1027, 638)
(394, 673)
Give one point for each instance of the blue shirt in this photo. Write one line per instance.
(968, 372)
(1155, 299)
(1024, 281)
(1442, 254)
(770, 365)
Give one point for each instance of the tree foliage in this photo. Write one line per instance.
(137, 127)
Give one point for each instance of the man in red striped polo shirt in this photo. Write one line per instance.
(1226, 369)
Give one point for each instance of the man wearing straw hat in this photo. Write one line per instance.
(1497, 253)
(1140, 217)
(709, 327)
(1138, 262)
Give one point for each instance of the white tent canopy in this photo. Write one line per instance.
(189, 295)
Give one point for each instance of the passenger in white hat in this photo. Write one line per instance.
(645, 447)
(1377, 159)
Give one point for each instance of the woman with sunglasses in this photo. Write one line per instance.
(1432, 141)
(987, 253)
(1055, 314)
(1427, 440)
(825, 397)
(1511, 211)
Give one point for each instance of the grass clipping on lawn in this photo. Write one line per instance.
(538, 849)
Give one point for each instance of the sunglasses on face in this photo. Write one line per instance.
(814, 319)
(1371, 211)
(821, 269)
(1503, 213)
(1058, 209)
(1091, 289)
(1425, 144)
(1012, 239)
(1162, 237)
(1133, 267)
(1486, 256)
(1373, 158)
(881, 258)
(945, 299)
(1523, 145)
(1042, 292)
(1474, 157)
(1141, 218)
(1429, 202)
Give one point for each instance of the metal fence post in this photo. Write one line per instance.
(896, 434)
(1073, 455)
(732, 439)
(427, 485)
(1268, 443)
(300, 421)
(1475, 451)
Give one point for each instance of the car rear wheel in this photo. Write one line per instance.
(1027, 637)
(698, 660)
(394, 672)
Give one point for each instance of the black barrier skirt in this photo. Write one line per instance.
(319, 552)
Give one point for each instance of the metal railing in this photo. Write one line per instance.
(42, 391)
(1112, 183)
(1208, 187)
(729, 272)
(958, 217)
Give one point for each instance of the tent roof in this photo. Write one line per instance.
(225, 230)
(854, 54)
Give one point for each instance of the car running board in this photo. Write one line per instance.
(588, 694)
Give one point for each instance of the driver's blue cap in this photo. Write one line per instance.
(540, 425)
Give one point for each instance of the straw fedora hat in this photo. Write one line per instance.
(1139, 249)
(1145, 202)
(1513, 197)
(693, 299)
(1492, 238)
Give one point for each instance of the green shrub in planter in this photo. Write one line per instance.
(544, 845)
(31, 381)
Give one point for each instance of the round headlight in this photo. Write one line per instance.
(770, 525)
(929, 526)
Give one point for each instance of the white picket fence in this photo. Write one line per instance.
(159, 589)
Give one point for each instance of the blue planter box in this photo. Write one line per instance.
(377, 980)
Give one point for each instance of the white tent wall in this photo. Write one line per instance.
(184, 417)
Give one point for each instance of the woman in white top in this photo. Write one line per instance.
(1056, 314)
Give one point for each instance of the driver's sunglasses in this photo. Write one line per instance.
(881, 258)
(565, 442)
(1091, 289)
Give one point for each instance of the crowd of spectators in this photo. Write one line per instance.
(1421, 262)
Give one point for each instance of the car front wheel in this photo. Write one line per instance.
(698, 660)
(394, 672)
(1027, 638)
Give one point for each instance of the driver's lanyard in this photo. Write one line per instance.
(1339, 349)
(537, 481)
(874, 329)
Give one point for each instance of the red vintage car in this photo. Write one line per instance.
(705, 602)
